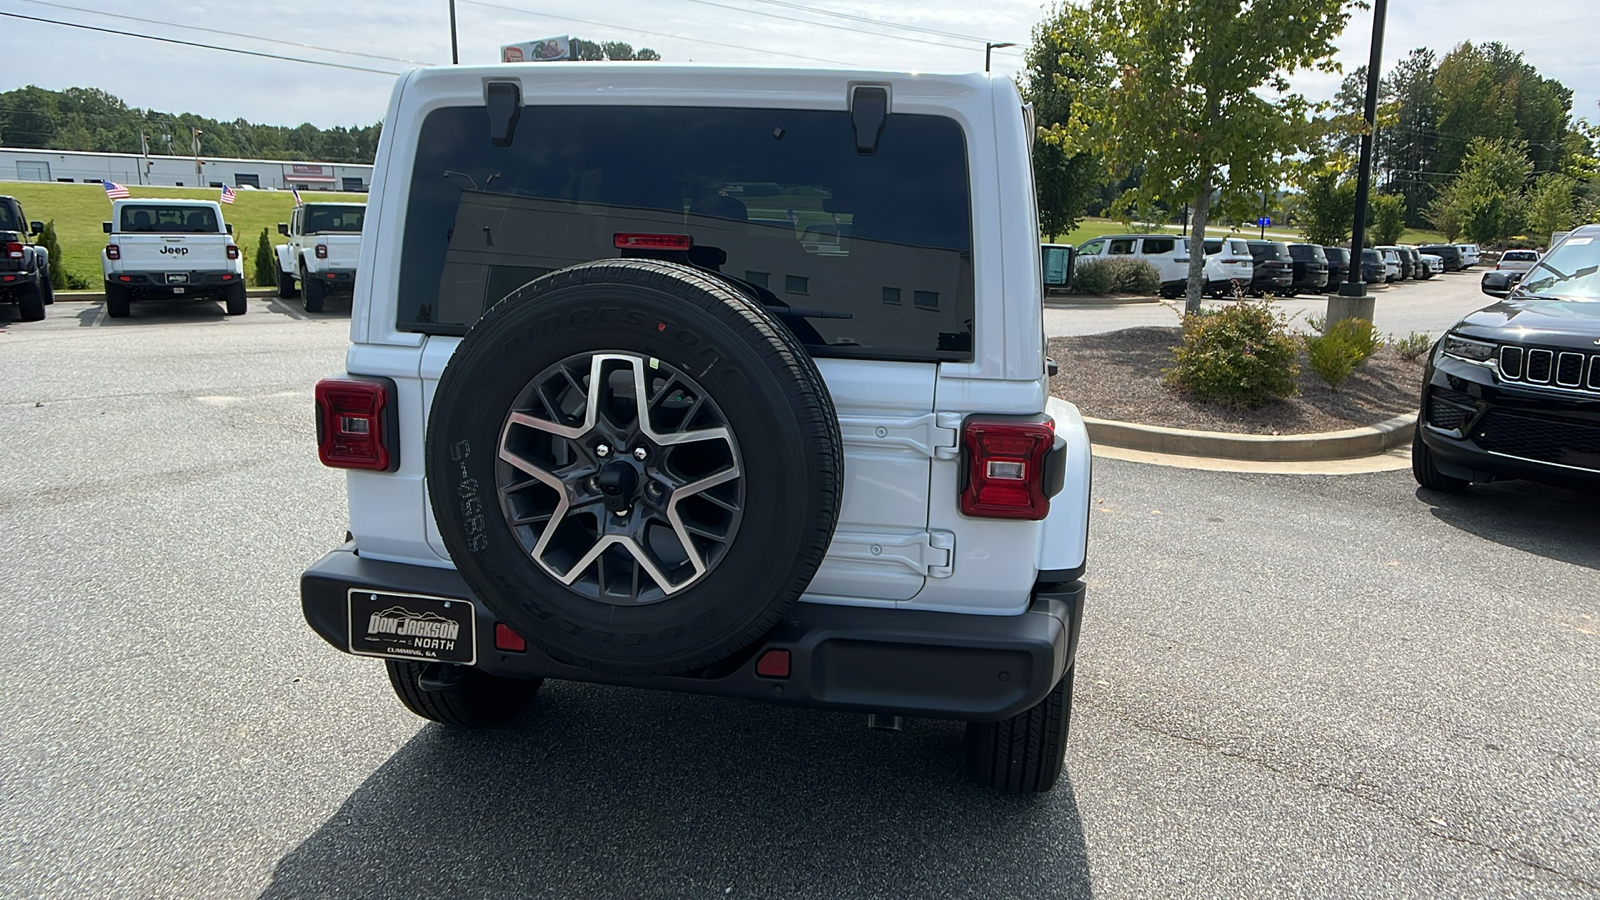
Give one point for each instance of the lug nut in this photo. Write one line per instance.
(640, 453)
(602, 450)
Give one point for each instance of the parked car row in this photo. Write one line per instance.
(1239, 266)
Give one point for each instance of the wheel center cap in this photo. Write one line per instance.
(619, 482)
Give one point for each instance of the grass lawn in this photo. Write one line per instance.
(78, 210)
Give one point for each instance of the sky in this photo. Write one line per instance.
(1556, 36)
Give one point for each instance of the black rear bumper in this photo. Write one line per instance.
(864, 659)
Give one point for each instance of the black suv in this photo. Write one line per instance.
(1513, 390)
(24, 266)
(1310, 268)
(1450, 253)
(1338, 266)
(1274, 268)
(1372, 268)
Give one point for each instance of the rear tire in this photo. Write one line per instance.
(49, 289)
(313, 293)
(238, 302)
(117, 300)
(1025, 753)
(30, 302)
(477, 701)
(1426, 470)
(286, 288)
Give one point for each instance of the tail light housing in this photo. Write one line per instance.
(633, 241)
(113, 251)
(233, 251)
(322, 251)
(1005, 468)
(357, 423)
(14, 249)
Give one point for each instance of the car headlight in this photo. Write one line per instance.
(1467, 349)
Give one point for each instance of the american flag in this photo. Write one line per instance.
(297, 200)
(227, 193)
(114, 191)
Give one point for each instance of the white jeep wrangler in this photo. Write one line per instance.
(728, 381)
(320, 256)
(170, 249)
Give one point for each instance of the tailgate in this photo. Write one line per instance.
(343, 249)
(173, 252)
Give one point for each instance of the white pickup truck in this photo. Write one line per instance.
(324, 241)
(170, 249)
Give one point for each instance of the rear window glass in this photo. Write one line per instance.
(7, 223)
(1155, 246)
(1521, 255)
(157, 219)
(867, 256)
(1307, 253)
(1269, 250)
(321, 219)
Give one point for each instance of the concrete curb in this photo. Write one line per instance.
(1356, 442)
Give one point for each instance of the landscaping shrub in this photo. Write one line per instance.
(52, 246)
(265, 274)
(1341, 349)
(1240, 355)
(1115, 276)
(1412, 346)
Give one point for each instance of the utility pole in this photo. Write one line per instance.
(199, 175)
(455, 56)
(989, 47)
(1352, 301)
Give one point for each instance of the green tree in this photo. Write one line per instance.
(1485, 201)
(52, 246)
(1199, 100)
(1327, 205)
(1059, 65)
(1388, 218)
(266, 274)
(1489, 91)
(1551, 207)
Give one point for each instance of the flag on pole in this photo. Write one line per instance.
(227, 193)
(297, 200)
(114, 191)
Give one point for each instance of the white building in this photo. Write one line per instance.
(180, 171)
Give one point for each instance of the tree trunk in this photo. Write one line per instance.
(1197, 244)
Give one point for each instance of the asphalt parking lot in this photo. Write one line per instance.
(1288, 685)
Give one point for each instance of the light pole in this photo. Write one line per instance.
(989, 47)
(1352, 301)
(455, 57)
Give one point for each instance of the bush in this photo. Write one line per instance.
(58, 266)
(1115, 276)
(266, 274)
(1241, 355)
(1344, 346)
(1412, 346)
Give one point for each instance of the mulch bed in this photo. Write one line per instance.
(1118, 376)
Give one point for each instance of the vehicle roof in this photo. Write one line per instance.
(164, 201)
(332, 203)
(1131, 237)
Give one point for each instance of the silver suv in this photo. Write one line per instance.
(726, 381)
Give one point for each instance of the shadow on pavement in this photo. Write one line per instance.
(1549, 521)
(167, 311)
(610, 792)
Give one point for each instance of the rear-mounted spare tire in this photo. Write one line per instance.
(634, 465)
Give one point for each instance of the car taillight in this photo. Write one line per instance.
(113, 251)
(13, 249)
(356, 424)
(1005, 468)
(233, 251)
(626, 241)
(322, 251)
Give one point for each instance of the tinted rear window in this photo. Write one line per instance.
(1156, 246)
(157, 219)
(1307, 253)
(7, 223)
(873, 254)
(322, 219)
(1269, 250)
(1521, 256)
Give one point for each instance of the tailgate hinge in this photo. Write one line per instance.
(932, 434)
(930, 554)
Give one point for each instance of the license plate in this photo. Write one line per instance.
(410, 626)
(177, 277)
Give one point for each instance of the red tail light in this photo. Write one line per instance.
(508, 640)
(1005, 468)
(13, 249)
(233, 251)
(652, 241)
(322, 251)
(356, 424)
(113, 251)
